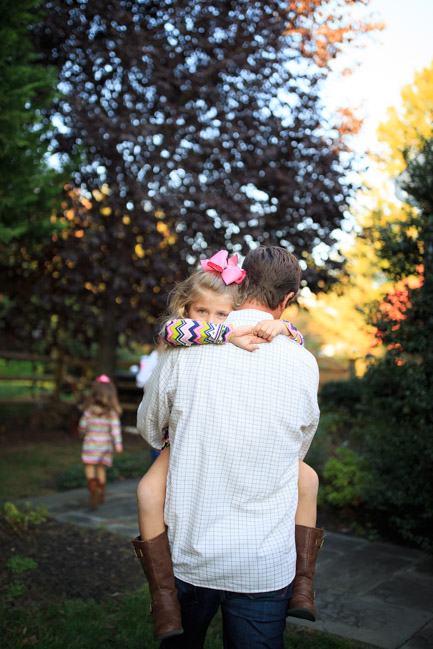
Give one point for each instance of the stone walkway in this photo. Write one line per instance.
(375, 593)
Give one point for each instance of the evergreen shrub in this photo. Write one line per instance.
(345, 477)
(124, 466)
(397, 411)
(341, 394)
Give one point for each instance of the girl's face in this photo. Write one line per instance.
(210, 307)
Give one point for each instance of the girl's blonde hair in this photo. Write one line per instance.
(191, 289)
(103, 399)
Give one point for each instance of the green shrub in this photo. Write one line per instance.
(337, 395)
(14, 589)
(375, 443)
(18, 564)
(124, 466)
(338, 428)
(20, 520)
(345, 477)
(73, 478)
(397, 411)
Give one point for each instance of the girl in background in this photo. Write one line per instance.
(100, 427)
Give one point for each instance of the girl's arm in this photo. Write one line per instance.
(187, 332)
(268, 329)
(116, 433)
(82, 424)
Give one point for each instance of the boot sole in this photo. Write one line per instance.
(304, 613)
(169, 634)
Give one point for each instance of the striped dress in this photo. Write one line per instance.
(100, 431)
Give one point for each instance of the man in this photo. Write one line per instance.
(238, 424)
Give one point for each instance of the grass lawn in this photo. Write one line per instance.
(33, 469)
(36, 468)
(118, 623)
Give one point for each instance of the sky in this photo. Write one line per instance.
(387, 63)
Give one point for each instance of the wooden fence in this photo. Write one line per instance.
(59, 371)
(52, 375)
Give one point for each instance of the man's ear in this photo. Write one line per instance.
(284, 303)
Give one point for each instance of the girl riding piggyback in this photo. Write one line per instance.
(199, 310)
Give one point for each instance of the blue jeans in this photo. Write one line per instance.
(250, 621)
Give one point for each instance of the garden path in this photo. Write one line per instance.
(373, 592)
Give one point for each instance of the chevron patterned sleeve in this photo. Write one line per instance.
(293, 333)
(187, 332)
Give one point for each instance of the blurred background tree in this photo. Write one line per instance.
(399, 389)
(30, 188)
(140, 136)
(391, 421)
(198, 127)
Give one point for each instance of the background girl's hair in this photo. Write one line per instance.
(103, 398)
(188, 291)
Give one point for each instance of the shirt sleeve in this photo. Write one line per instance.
(312, 412)
(116, 433)
(154, 411)
(294, 333)
(187, 332)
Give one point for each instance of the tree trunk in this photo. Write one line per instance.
(106, 359)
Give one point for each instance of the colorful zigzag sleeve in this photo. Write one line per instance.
(187, 332)
(293, 333)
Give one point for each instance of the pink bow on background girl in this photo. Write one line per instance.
(230, 272)
(103, 379)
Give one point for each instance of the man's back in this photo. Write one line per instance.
(238, 423)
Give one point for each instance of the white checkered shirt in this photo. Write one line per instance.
(238, 422)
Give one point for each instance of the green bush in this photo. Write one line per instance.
(14, 589)
(17, 564)
(341, 395)
(20, 519)
(124, 466)
(338, 428)
(345, 477)
(397, 411)
(375, 443)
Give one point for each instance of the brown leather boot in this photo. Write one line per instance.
(155, 559)
(308, 541)
(101, 492)
(93, 487)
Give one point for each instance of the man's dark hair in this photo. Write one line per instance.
(272, 273)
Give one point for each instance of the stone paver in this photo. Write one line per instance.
(375, 593)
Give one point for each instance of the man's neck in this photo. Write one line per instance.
(276, 313)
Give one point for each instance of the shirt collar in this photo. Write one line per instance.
(248, 317)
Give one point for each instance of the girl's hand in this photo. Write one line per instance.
(244, 338)
(268, 329)
(119, 449)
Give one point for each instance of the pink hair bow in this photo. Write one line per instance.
(230, 272)
(103, 379)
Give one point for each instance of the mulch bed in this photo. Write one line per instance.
(72, 562)
(77, 562)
